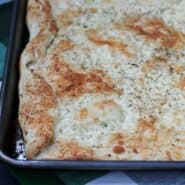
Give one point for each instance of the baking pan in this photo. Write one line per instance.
(10, 132)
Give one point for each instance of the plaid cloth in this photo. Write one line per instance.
(30, 177)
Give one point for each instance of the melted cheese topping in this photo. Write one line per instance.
(117, 72)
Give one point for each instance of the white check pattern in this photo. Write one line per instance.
(113, 178)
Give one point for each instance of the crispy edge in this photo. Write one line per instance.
(34, 117)
(39, 16)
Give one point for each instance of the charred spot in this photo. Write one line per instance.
(118, 149)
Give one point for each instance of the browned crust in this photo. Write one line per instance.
(73, 151)
(70, 83)
(69, 150)
(149, 65)
(39, 13)
(34, 117)
(64, 45)
(181, 84)
(113, 44)
(38, 16)
(154, 30)
(36, 96)
(117, 138)
(66, 17)
(148, 142)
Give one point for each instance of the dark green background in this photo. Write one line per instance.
(5, 19)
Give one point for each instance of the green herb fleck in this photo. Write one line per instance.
(104, 123)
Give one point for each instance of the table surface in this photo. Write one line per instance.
(34, 177)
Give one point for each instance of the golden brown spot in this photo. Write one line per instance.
(105, 103)
(42, 140)
(40, 99)
(76, 84)
(38, 87)
(118, 149)
(82, 114)
(113, 44)
(178, 155)
(147, 131)
(146, 124)
(160, 59)
(97, 111)
(93, 10)
(135, 150)
(41, 10)
(35, 47)
(142, 80)
(67, 16)
(64, 45)
(34, 114)
(117, 138)
(72, 83)
(181, 84)
(178, 69)
(53, 27)
(73, 151)
(154, 30)
(150, 64)
(47, 102)
(37, 8)
(168, 155)
(120, 142)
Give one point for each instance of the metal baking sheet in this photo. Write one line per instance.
(11, 142)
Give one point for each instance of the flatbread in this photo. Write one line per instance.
(104, 80)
